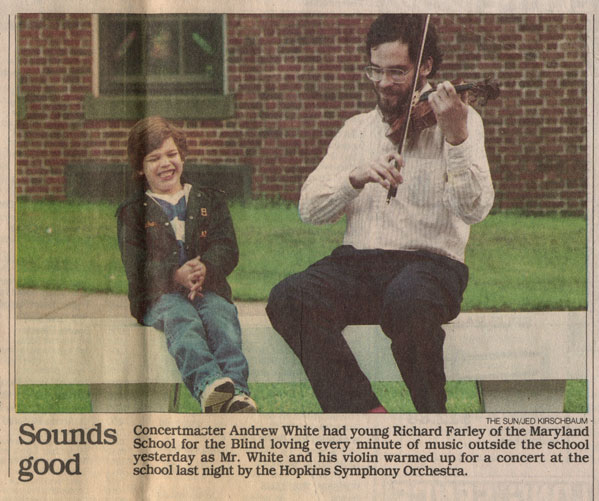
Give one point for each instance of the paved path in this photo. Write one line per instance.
(33, 303)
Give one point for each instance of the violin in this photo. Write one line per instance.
(422, 115)
(419, 115)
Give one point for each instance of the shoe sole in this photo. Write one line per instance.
(219, 397)
(240, 407)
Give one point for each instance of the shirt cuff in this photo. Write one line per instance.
(346, 191)
(460, 155)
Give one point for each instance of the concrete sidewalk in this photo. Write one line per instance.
(34, 303)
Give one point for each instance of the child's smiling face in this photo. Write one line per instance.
(163, 168)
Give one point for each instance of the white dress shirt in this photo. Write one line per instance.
(446, 189)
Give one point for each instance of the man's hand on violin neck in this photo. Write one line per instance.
(451, 113)
(384, 171)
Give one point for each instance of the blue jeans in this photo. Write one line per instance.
(204, 338)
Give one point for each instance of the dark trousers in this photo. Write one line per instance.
(409, 294)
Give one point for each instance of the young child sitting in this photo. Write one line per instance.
(178, 245)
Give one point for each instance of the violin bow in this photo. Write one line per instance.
(393, 190)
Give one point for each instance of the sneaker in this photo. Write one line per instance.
(217, 394)
(241, 403)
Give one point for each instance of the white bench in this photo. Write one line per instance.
(521, 360)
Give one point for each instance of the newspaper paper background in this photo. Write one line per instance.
(106, 469)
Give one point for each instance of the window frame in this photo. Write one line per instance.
(147, 82)
(200, 105)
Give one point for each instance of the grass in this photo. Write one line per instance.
(57, 243)
(68, 246)
(516, 263)
(462, 397)
(527, 263)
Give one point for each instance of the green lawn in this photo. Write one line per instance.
(516, 263)
(462, 397)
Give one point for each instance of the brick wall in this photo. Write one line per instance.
(296, 78)
(54, 68)
(536, 133)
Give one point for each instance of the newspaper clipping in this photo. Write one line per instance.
(250, 252)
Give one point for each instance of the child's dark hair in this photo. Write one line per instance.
(147, 135)
(405, 28)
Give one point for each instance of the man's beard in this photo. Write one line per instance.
(391, 106)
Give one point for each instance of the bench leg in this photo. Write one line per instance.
(149, 397)
(522, 396)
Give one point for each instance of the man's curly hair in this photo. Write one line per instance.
(405, 28)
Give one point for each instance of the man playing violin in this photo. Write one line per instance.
(401, 264)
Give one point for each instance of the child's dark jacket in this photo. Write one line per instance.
(150, 253)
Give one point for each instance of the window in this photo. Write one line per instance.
(160, 54)
(163, 64)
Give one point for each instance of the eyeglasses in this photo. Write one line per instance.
(376, 73)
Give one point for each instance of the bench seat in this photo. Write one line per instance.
(521, 360)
